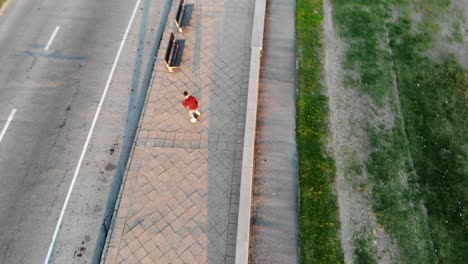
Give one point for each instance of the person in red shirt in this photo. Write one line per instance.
(191, 103)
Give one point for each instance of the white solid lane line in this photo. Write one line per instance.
(98, 110)
(52, 38)
(12, 114)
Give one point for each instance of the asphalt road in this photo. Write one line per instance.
(50, 89)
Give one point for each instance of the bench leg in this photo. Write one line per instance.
(169, 67)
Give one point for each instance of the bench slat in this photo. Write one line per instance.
(177, 58)
(187, 15)
(169, 49)
(179, 12)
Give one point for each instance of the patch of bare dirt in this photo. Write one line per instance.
(451, 36)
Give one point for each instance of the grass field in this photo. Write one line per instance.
(415, 122)
(393, 190)
(418, 183)
(318, 217)
(434, 99)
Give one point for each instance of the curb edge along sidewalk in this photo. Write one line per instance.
(245, 197)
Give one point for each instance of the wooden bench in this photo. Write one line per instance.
(183, 16)
(174, 51)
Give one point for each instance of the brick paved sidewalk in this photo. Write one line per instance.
(180, 198)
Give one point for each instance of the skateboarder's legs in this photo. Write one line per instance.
(192, 112)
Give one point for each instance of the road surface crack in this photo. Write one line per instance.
(33, 63)
(60, 184)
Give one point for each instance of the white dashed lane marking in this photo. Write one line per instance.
(52, 38)
(12, 114)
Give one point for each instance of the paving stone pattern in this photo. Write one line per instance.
(181, 195)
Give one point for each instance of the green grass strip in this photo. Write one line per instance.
(318, 215)
(361, 23)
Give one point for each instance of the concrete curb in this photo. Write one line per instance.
(245, 197)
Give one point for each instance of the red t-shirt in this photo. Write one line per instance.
(191, 102)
